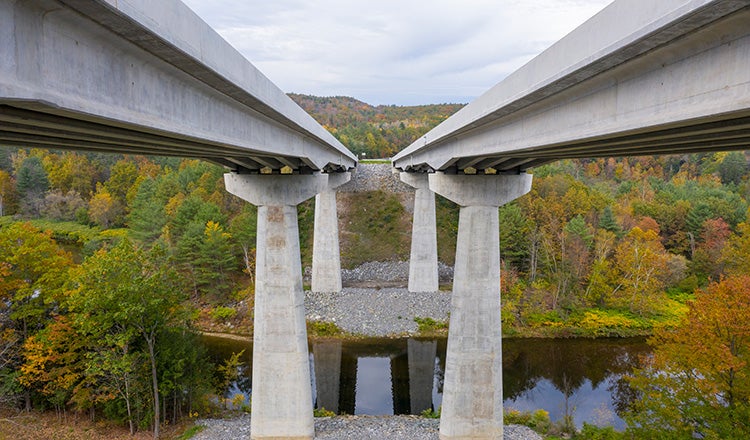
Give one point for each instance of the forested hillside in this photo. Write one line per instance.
(378, 132)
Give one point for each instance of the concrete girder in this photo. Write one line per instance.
(153, 71)
(636, 69)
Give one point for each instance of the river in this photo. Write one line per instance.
(580, 378)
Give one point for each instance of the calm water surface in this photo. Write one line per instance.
(578, 377)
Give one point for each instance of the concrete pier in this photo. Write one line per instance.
(472, 391)
(282, 394)
(326, 261)
(423, 267)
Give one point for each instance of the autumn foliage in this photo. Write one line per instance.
(697, 384)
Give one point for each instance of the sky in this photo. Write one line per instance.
(400, 52)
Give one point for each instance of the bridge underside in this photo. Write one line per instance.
(147, 78)
(683, 87)
(32, 124)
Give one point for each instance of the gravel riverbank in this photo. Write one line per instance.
(377, 312)
(353, 428)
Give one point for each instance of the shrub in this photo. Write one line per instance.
(431, 413)
(221, 313)
(538, 420)
(322, 412)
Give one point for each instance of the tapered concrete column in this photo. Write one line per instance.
(423, 267)
(326, 261)
(327, 374)
(472, 391)
(421, 373)
(281, 394)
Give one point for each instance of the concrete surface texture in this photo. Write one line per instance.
(423, 260)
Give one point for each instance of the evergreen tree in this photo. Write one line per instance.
(608, 222)
(32, 184)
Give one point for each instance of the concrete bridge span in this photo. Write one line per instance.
(147, 77)
(150, 77)
(641, 77)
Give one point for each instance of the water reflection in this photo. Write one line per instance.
(581, 379)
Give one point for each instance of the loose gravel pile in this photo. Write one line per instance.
(387, 273)
(377, 312)
(353, 428)
(373, 177)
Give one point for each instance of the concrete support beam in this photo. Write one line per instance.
(326, 261)
(282, 393)
(423, 268)
(472, 390)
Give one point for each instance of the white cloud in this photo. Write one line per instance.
(392, 51)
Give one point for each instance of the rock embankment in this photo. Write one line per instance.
(373, 177)
(353, 428)
(387, 274)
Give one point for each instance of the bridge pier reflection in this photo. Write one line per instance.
(472, 392)
(421, 374)
(327, 356)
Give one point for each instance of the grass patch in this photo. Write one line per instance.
(190, 432)
(376, 228)
(323, 329)
(429, 326)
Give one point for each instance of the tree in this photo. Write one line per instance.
(123, 177)
(608, 222)
(514, 229)
(243, 229)
(133, 295)
(735, 254)
(697, 384)
(33, 270)
(732, 168)
(707, 262)
(70, 172)
(104, 209)
(53, 361)
(32, 184)
(641, 262)
(8, 194)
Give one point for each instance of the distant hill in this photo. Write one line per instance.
(378, 132)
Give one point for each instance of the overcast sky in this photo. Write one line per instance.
(403, 52)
